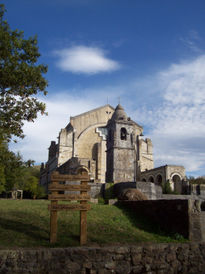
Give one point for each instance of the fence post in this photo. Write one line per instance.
(83, 219)
(53, 222)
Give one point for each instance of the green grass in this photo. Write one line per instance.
(25, 223)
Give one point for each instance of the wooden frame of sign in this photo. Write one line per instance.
(83, 198)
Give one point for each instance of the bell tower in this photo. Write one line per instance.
(121, 154)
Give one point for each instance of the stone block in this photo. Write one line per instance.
(112, 201)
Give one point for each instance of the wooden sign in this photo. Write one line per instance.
(69, 197)
(69, 207)
(57, 177)
(60, 187)
(82, 197)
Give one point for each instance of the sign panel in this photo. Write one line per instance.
(55, 176)
(60, 187)
(69, 197)
(70, 207)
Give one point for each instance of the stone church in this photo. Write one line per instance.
(110, 145)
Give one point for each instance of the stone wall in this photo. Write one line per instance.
(151, 190)
(172, 173)
(198, 189)
(176, 216)
(146, 154)
(142, 258)
(96, 189)
(181, 197)
(96, 116)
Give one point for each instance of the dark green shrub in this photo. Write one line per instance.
(166, 189)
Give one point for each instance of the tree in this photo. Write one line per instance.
(10, 168)
(20, 80)
(16, 174)
(166, 188)
(31, 185)
(30, 163)
(198, 180)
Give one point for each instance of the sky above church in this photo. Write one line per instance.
(149, 54)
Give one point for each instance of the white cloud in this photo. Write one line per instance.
(85, 60)
(184, 83)
(178, 125)
(193, 41)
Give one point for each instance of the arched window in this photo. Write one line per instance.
(123, 134)
(178, 184)
(151, 179)
(202, 206)
(159, 179)
(95, 151)
(176, 179)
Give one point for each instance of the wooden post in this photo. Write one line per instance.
(83, 197)
(83, 219)
(53, 222)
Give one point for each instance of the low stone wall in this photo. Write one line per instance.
(198, 189)
(177, 216)
(142, 258)
(96, 189)
(151, 190)
(181, 197)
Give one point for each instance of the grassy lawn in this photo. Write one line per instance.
(25, 223)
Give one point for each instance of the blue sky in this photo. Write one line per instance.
(150, 53)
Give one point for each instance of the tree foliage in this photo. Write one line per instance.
(10, 167)
(20, 80)
(17, 174)
(166, 188)
(198, 180)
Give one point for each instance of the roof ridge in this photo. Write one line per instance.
(107, 105)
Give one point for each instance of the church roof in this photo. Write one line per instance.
(107, 108)
(92, 110)
(119, 114)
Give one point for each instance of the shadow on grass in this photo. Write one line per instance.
(33, 231)
(26, 229)
(143, 222)
(20, 226)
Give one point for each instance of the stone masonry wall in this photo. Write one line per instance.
(177, 216)
(151, 190)
(142, 258)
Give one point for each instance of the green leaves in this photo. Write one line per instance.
(10, 166)
(14, 173)
(21, 80)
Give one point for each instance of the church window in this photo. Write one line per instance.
(123, 134)
(203, 206)
(176, 179)
(159, 179)
(151, 179)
